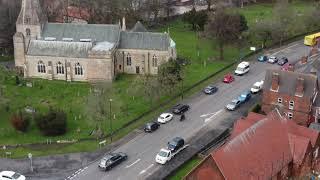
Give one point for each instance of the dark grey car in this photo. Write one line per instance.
(111, 160)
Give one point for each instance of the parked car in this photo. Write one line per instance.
(11, 175)
(262, 58)
(150, 127)
(257, 86)
(242, 68)
(180, 108)
(272, 59)
(175, 144)
(286, 67)
(234, 104)
(228, 78)
(244, 97)
(210, 90)
(165, 117)
(283, 61)
(111, 160)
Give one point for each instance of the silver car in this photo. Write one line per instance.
(234, 104)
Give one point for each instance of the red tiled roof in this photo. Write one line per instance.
(261, 150)
(299, 146)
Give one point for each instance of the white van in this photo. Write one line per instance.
(242, 68)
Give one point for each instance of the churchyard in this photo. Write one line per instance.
(72, 97)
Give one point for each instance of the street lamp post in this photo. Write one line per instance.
(30, 157)
(110, 119)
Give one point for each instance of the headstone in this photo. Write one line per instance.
(29, 109)
(29, 84)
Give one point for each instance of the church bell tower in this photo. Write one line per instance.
(29, 25)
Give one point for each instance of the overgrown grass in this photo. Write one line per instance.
(72, 97)
(185, 168)
(6, 58)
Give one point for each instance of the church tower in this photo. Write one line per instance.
(29, 25)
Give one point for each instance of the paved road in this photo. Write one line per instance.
(205, 111)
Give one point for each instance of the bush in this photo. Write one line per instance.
(256, 108)
(20, 121)
(53, 123)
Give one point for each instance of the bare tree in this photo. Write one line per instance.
(262, 31)
(224, 27)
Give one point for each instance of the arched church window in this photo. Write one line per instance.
(154, 61)
(27, 20)
(28, 32)
(128, 59)
(78, 69)
(60, 68)
(41, 67)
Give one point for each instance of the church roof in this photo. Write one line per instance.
(94, 32)
(138, 27)
(59, 48)
(144, 40)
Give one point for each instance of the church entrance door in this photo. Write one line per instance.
(137, 70)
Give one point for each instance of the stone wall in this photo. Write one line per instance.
(93, 69)
(140, 59)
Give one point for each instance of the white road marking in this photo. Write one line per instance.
(145, 170)
(213, 115)
(284, 49)
(133, 163)
(205, 115)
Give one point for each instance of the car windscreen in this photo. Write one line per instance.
(172, 145)
(163, 154)
(255, 87)
(240, 69)
(16, 175)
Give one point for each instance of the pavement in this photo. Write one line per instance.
(207, 112)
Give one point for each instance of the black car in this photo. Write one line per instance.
(150, 127)
(180, 108)
(210, 90)
(175, 144)
(283, 61)
(111, 160)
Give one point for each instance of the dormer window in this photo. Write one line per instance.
(291, 105)
(28, 32)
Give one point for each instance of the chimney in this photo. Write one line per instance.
(299, 87)
(275, 82)
(124, 28)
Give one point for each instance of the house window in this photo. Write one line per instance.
(28, 32)
(41, 67)
(154, 61)
(291, 104)
(279, 100)
(290, 115)
(78, 69)
(128, 59)
(60, 68)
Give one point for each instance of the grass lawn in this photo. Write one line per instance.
(72, 97)
(185, 169)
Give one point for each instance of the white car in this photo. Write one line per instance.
(10, 175)
(165, 117)
(242, 68)
(256, 87)
(163, 156)
(272, 59)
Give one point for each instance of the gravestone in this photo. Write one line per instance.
(29, 84)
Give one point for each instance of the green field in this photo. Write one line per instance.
(72, 97)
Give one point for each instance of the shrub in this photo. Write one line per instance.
(53, 123)
(256, 108)
(20, 121)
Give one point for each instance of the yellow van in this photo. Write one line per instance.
(310, 40)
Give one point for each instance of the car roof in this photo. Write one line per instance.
(150, 123)
(7, 173)
(244, 63)
(110, 155)
(235, 100)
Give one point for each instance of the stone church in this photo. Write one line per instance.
(85, 52)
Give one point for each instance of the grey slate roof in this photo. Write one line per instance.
(288, 80)
(59, 48)
(96, 32)
(315, 126)
(138, 27)
(144, 40)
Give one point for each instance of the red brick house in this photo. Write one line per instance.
(262, 147)
(73, 15)
(292, 92)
